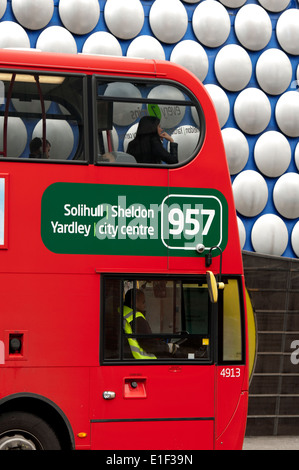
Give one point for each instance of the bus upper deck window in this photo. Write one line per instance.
(136, 109)
(36, 106)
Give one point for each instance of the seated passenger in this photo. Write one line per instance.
(147, 146)
(143, 348)
(36, 148)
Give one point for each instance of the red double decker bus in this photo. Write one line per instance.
(122, 293)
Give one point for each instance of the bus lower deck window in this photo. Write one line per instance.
(156, 319)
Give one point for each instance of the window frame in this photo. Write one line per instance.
(85, 117)
(4, 218)
(212, 333)
(96, 78)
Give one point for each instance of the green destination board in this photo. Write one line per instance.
(104, 219)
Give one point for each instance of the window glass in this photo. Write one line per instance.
(41, 116)
(232, 325)
(156, 319)
(146, 123)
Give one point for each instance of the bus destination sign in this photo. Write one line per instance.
(79, 218)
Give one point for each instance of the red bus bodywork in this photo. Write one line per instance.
(53, 300)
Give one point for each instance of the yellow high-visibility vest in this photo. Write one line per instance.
(136, 349)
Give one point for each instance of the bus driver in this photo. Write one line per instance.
(144, 348)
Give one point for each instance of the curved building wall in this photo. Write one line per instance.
(273, 286)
